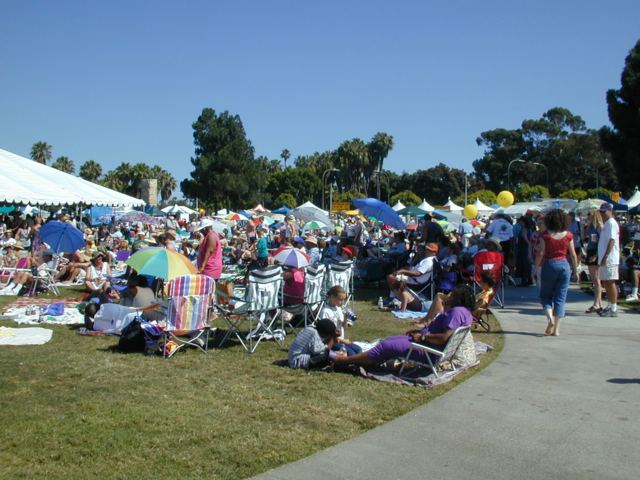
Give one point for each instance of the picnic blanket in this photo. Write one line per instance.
(23, 315)
(421, 377)
(24, 336)
(408, 314)
(39, 302)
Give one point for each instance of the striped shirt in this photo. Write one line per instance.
(306, 344)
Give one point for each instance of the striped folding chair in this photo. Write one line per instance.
(190, 298)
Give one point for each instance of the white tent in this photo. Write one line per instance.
(398, 206)
(310, 204)
(172, 209)
(425, 206)
(482, 208)
(25, 181)
(634, 200)
(259, 209)
(452, 206)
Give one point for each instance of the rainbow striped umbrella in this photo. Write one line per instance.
(292, 257)
(160, 262)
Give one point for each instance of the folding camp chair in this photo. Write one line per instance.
(340, 273)
(44, 277)
(260, 308)
(314, 279)
(445, 355)
(190, 298)
(7, 273)
(493, 263)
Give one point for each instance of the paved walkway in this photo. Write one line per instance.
(565, 408)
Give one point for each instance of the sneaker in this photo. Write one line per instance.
(607, 312)
(632, 298)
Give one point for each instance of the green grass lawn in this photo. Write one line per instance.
(74, 408)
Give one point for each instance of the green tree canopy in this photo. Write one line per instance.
(487, 197)
(225, 173)
(41, 152)
(301, 183)
(623, 141)
(558, 145)
(285, 199)
(574, 194)
(90, 170)
(64, 164)
(528, 193)
(407, 197)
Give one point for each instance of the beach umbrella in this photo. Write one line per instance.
(292, 257)
(308, 214)
(383, 212)
(61, 237)
(314, 225)
(590, 203)
(238, 217)
(161, 263)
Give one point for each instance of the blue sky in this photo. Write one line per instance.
(122, 81)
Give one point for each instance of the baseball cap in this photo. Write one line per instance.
(606, 207)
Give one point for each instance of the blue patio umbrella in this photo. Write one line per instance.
(61, 236)
(372, 207)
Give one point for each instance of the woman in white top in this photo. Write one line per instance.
(98, 274)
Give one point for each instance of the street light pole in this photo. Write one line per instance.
(546, 171)
(465, 189)
(518, 160)
(324, 179)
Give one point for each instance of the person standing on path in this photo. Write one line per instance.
(209, 252)
(609, 258)
(591, 258)
(556, 245)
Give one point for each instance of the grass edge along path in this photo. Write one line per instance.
(75, 408)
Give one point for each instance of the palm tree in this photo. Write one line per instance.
(113, 181)
(64, 164)
(166, 182)
(91, 170)
(353, 160)
(379, 147)
(41, 152)
(285, 155)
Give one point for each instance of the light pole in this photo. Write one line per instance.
(598, 174)
(518, 160)
(324, 179)
(546, 171)
(465, 189)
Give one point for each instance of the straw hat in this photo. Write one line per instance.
(311, 239)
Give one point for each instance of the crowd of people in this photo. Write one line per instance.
(544, 249)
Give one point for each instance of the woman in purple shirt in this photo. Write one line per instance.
(435, 334)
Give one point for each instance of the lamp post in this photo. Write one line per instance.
(515, 160)
(605, 161)
(324, 179)
(546, 171)
(465, 189)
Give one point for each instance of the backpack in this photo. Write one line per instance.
(132, 338)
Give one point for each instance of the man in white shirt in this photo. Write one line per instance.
(609, 258)
(421, 273)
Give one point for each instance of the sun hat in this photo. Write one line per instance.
(97, 254)
(311, 239)
(204, 223)
(48, 251)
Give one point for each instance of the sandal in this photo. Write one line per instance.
(591, 309)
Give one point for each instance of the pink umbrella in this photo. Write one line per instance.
(292, 257)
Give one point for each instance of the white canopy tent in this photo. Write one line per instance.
(482, 208)
(310, 204)
(398, 206)
(171, 209)
(425, 206)
(25, 181)
(634, 200)
(452, 206)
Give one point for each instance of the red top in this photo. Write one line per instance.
(556, 249)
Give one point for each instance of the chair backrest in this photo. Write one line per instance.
(189, 299)
(492, 262)
(340, 273)
(313, 284)
(454, 343)
(264, 289)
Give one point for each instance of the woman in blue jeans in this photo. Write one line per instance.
(556, 249)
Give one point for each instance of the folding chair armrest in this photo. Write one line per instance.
(426, 348)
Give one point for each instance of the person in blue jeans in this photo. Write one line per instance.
(556, 249)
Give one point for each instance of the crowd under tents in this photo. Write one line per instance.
(25, 181)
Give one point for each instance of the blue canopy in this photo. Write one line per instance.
(372, 207)
(618, 206)
(283, 210)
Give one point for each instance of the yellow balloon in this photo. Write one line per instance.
(505, 199)
(470, 211)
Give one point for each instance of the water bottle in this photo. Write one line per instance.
(380, 303)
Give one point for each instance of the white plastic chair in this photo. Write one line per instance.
(450, 349)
